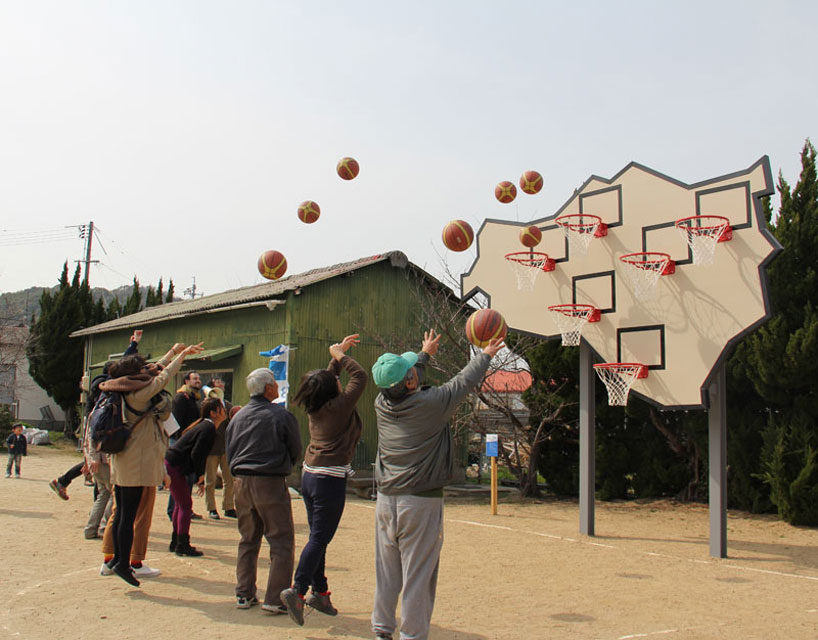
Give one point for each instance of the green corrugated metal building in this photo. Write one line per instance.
(372, 296)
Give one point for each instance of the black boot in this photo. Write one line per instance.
(126, 573)
(183, 547)
(173, 541)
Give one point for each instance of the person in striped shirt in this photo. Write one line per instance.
(335, 428)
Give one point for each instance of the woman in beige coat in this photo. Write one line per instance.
(140, 463)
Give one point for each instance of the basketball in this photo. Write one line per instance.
(531, 182)
(272, 265)
(308, 211)
(484, 325)
(530, 236)
(458, 235)
(505, 191)
(347, 168)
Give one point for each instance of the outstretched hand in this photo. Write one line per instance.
(431, 342)
(338, 350)
(494, 346)
(193, 349)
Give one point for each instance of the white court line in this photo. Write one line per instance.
(650, 633)
(481, 524)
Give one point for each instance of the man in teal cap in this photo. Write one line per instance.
(415, 461)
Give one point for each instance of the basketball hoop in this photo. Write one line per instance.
(618, 378)
(527, 265)
(571, 318)
(703, 233)
(580, 229)
(644, 269)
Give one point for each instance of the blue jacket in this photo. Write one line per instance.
(262, 439)
(18, 445)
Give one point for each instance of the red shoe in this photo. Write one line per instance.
(57, 488)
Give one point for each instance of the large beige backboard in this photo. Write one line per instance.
(696, 314)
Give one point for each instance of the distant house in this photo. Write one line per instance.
(505, 388)
(373, 296)
(28, 401)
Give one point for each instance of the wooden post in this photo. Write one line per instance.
(494, 485)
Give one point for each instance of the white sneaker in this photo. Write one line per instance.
(145, 571)
(105, 570)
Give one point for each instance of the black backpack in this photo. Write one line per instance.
(108, 427)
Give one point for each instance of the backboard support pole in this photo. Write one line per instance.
(587, 440)
(717, 444)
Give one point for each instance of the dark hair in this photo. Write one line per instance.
(127, 366)
(187, 376)
(209, 407)
(316, 388)
(213, 380)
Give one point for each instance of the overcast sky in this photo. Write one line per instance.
(189, 131)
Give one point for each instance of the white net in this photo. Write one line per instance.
(702, 234)
(580, 232)
(526, 269)
(618, 380)
(643, 271)
(570, 321)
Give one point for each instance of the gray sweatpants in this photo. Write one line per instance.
(101, 509)
(408, 539)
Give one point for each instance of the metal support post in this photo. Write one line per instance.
(587, 440)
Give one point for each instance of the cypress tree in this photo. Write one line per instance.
(134, 302)
(169, 297)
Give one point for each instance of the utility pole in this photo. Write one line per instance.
(87, 232)
(191, 290)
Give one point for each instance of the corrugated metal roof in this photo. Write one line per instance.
(244, 295)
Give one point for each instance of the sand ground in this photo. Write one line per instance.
(525, 573)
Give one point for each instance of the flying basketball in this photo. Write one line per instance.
(505, 191)
(484, 325)
(458, 235)
(531, 182)
(308, 211)
(347, 168)
(272, 265)
(530, 236)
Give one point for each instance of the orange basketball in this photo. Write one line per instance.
(531, 182)
(272, 265)
(530, 236)
(485, 325)
(308, 211)
(458, 235)
(505, 191)
(347, 168)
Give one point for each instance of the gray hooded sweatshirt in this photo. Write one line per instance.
(415, 450)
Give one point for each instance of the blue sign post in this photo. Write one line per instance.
(492, 449)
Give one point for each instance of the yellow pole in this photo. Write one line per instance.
(494, 485)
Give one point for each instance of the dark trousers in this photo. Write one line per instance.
(183, 503)
(324, 498)
(264, 509)
(127, 504)
(74, 472)
(191, 480)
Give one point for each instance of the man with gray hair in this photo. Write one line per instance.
(415, 461)
(263, 442)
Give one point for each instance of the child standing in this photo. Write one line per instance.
(17, 445)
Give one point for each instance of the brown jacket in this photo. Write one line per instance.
(141, 463)
(336, 427)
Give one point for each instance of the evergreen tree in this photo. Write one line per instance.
(780, 360)
(160, 296)
(134, 302)
(150, 297)
(169, 297)
(114, 309)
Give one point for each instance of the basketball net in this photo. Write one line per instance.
(618, 379)
(703, 239)
(580, 234)
(570, 321)
(526, 269)
(643, 273)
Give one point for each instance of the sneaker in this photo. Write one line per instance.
(105, 570)
(126, 573)
(213, 515)
(274, 609)
(195, 516)
(8, 475)
(57, 488)
(321, 602)
(230, 513)
(295, 605)
(383, 636)
(145, 571)
(246, 603)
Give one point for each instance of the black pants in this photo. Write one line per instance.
(191, 480)
(74, 472)
(127, 504)
(324, 498)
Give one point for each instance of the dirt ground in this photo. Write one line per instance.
(525, 573)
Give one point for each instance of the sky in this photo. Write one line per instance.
(190, 131)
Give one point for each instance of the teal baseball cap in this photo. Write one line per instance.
(391, 368)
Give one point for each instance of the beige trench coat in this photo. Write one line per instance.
(142, 462)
